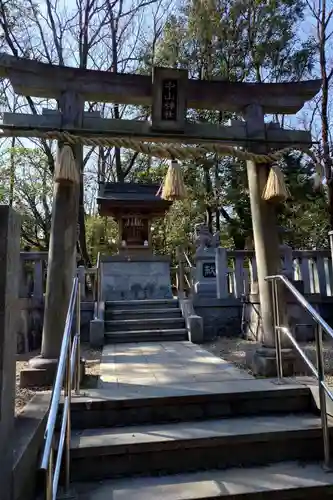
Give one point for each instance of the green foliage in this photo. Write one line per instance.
(237, 40)
(27, 185)
(305, 216)
(102, 236)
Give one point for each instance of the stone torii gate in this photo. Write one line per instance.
(72, 87)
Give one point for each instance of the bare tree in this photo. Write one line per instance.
(322, 12)
(98, 34)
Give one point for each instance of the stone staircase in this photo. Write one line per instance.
(251, 439)
(144, 321)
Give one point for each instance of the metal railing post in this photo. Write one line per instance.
(68, 391)
(98, 277)
(319, 372)
(68, 366)
(277, 331)
(322, 395)
(330, 237)
(49, 477)
(180, 270)
(77, 368)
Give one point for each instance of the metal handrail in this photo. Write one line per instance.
(181, 276)
(68, 371)
(318, 372)
(99, 292)
(190, 265)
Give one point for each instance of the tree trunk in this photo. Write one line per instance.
(208, 186)
(12, 172)
(322, 36)
(217, 211)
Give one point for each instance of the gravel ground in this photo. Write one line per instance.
(235, 350)
(92, 357)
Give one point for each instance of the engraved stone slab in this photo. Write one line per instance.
(205, 279)
(136, 279)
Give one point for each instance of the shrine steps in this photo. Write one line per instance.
(168, 312)
(147, 406)
(143, 321)
(260, 443)
(289, 481)
(152, 450)
(120, 337)
(142, 304)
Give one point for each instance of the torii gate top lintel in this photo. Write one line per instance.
(38, 79)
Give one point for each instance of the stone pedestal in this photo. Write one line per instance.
(263, 362)
(96, 333)
(142, 277)
(9, 277)
(205, 273)
(42, 372)
(300, 324)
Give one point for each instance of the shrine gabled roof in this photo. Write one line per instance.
(128, 191)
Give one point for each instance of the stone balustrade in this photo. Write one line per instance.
(223, 278)
(33, 271)
(230, 273)
(33, 277)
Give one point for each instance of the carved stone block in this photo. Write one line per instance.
(169, 99)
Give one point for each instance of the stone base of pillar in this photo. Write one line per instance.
(252, 327)
(41, 372)
(299, 321)
(262, 362)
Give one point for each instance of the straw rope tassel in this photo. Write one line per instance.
(275, 189)
(319, 175)
(66, 171)
(173, 186)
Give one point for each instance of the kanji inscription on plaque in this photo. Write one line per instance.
(169, 100)
(209, 270)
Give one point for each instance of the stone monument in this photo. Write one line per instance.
(205, 271)
(135, 273)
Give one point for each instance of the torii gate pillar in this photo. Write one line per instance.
(62, 255)
(267, 251)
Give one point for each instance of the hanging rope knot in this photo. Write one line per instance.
(276, 190)
(66, 171)
(173, 186)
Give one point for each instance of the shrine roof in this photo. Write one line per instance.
(128, 191)
(115, 195)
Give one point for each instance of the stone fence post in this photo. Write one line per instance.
(221, 265)
(9, 288)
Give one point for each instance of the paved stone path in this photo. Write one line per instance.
(157, 365)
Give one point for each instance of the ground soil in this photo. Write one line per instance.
(92, 366)
(236, 350)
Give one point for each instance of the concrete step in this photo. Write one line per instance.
(205, 402)
(138, 304)
(129, 325)
(152, 335)
(285, 481)
(169, 312)
(99, 454)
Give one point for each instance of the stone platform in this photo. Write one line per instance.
(164, 367)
